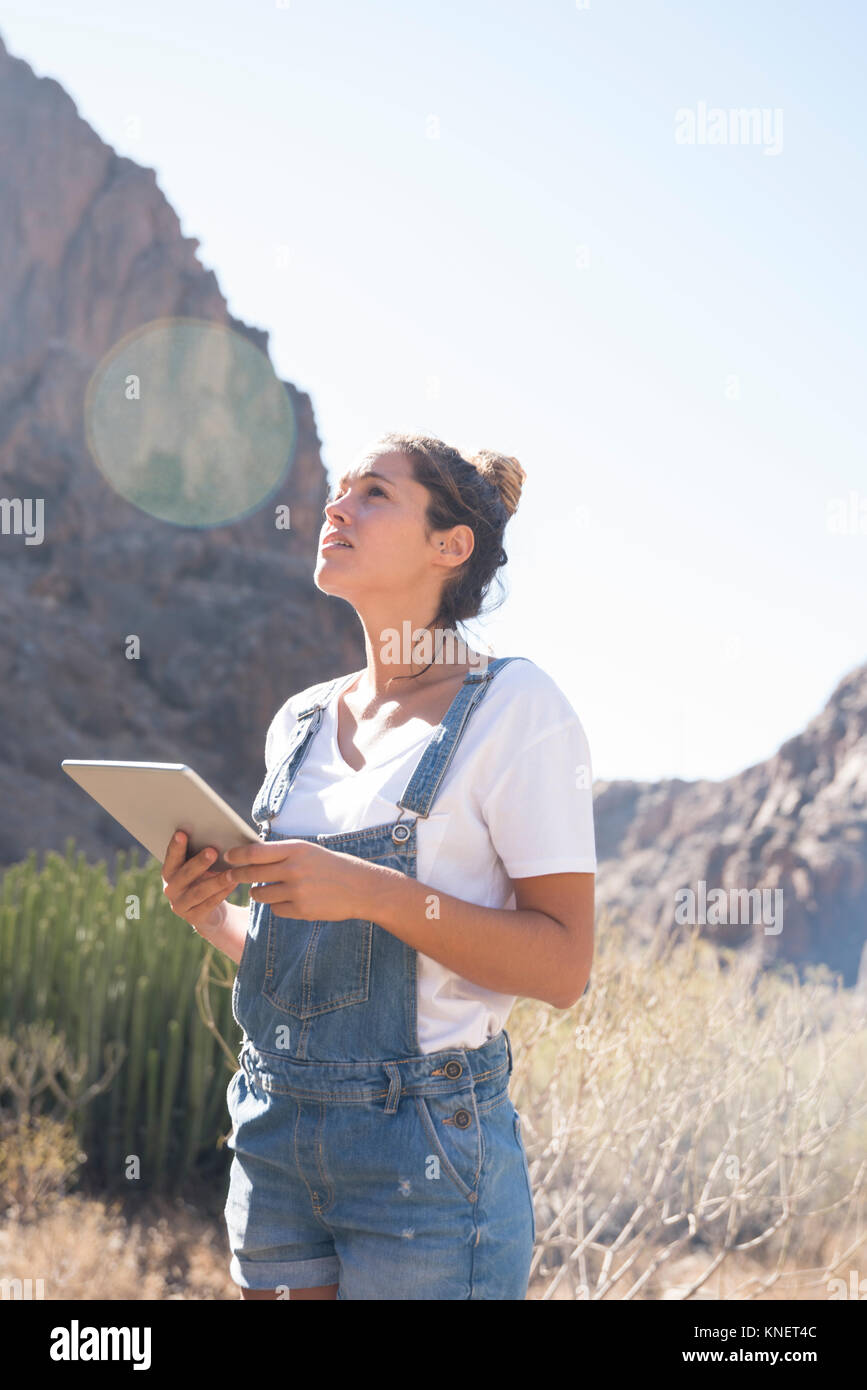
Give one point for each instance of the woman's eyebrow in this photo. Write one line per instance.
(369, 473)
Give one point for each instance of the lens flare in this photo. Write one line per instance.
(188, 421)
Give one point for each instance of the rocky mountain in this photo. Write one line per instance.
(228, 618)
(795, 824)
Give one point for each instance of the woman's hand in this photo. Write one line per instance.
(195, 893)
(300, 879)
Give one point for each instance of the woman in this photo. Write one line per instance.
(428, 855)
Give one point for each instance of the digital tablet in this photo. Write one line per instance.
(153, 800)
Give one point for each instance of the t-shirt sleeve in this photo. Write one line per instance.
(540, 809)
(281, 724)
(285, 720)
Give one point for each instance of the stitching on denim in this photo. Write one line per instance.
(492, 1102)
(525, 1165)
(430, 1128)
(372, 831)
(358, 1097)
(359, 995)
(488, 1075)
(349, 1097)
(320, 1161)
(432, 1086)
(481, 1143)
(249, 1267)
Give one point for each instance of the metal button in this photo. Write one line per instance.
(454, 1070)
(400, 834)
(463, 1118)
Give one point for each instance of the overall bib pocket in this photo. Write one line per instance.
(313, 968)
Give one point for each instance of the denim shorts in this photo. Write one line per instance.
(404, 1179)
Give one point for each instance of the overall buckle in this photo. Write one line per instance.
(401, 830)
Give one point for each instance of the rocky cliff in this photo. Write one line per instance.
(796, 823)
(228, 618)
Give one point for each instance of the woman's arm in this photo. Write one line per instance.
(228, 932)
(541, 949)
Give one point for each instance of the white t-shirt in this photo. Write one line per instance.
(515, 801)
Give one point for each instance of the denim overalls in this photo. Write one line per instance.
(358, 1159)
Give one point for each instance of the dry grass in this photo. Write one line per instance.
(696, 1128)
(87, 1249)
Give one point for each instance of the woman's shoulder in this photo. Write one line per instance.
(520, 692)
(522, 681)
(287, 715)
(304, 699)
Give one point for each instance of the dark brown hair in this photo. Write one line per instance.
(481, 492)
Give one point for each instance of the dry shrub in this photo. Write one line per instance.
(39, 1157)
(696, 1128)
(693, 1108)
(83, 1249)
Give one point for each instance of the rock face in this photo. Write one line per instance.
(797, 822)
(228, 618)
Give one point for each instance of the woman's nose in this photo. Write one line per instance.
(336, 512)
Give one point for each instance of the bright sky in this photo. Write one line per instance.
(475, 219)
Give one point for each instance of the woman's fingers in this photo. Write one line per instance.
(176, 853)
(191, 885)
(217, 886)
(178, 873)
(207, 905)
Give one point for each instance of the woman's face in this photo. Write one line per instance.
(378, 509)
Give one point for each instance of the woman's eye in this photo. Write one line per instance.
(374, 487)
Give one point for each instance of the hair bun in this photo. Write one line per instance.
(506, 474)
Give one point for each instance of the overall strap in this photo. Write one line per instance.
(309, 718)
(421, 789)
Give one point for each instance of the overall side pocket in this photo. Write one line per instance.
(451, 1125)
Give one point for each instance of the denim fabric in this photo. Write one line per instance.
(357, 1158)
